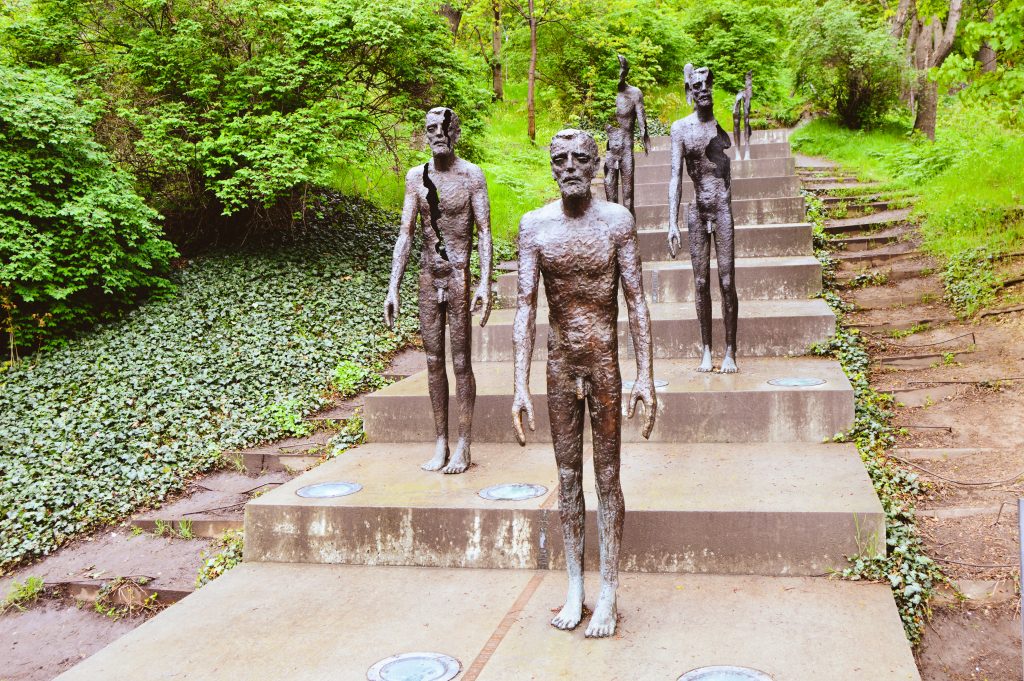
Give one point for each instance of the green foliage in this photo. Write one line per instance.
(351, 378)
(970, 281)
(350, 435)
(843, 65)
(76, 241)
(21, 594)
(127, 414)
(232, 546)
(287, 418)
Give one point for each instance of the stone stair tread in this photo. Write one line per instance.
(337, 621)
(749, 309)
(867, 221)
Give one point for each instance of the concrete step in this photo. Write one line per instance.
(778, 509)
(671, 281)
(767, 328)
(692, 407)
(652, 193)
(268, 622)
(752, 241)
(867, 242)
(756, 137)
(847, 188)
(663, 154)
(867, 222)
(765, 211)
(758, 167)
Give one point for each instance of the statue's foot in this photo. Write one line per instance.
(440, 456)
(572, 612)
(706, 365)
(460, 460)
(602, 624)
(729, 365)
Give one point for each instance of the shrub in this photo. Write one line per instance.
(76, 241)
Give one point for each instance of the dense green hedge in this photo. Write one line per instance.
(124, 415)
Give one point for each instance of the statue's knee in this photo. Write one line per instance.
(461, 364)
(726, 282)
(701, 283)
(435, 362)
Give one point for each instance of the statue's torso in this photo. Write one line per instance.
(452, 212)
(707, 164)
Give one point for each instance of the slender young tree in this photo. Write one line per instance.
(535, 14)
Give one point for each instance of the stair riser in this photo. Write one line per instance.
(757, 337)
(744, 212)
(654, 193)
(759, 543)
(761, 416)
(760, 167)
(756, 137)
(663, 155)
(752, 241)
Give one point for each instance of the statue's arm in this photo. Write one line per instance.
(524, 328)
(631, 273)
(482, 215)
(641, 120)
(674, 188)
(403, 246)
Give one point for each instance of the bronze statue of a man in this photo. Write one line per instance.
(618, 162)
(701, 142)
(741, 109)
(583, 246)
(449, 194)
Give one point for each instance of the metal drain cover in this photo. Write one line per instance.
(797, 381)
(725, 673)
(628, 385)
(329, 490)
(512, 491)
(415, 667)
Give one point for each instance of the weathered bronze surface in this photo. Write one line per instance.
(741, 109)
(618, 162)
(449, 195)
(583, 247)
(701, 143)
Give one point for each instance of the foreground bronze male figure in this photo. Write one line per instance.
(618, 162)
(583, 246)
(741, 110)
(448, 194)
(701, 142)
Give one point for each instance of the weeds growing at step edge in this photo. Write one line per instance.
(911, 574)
(232, 545)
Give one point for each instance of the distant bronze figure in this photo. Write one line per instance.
(618, 162)
(583, 246)
(741, 109)
(701, 142)
(449, 195)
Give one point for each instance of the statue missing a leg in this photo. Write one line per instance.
(741, 109)
(701, 143)
(583, 246)
(618, 163)
(449, 195)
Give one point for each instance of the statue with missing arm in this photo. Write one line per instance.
(448, 195)
(583, 247)
(618, 162)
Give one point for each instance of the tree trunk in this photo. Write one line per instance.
(986, 55)
(454, 17)
(496, 68)
(531, 79)
(927, 105)
(934, 45)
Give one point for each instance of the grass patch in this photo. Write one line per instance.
(22, 594)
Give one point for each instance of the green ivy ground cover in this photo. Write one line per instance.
(124, 415)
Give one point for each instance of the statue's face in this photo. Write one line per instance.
(623, 68)
(574, 164)
(440, 136)
(700, 87)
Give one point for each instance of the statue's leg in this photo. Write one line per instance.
(605, 402)
(700, 258)
(626, 175)
(460, 325)
(566, 414)
(737, 131)
(432, 322)
(725, 246)
(611, 182)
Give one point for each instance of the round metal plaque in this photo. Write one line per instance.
(329, 490)
(415, 667)
(658, 383)
(725, 673)
(513, 491)
(797, 381)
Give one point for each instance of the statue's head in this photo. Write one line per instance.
(698, 85)
(623, 69)
(574, 161)
(443, 130)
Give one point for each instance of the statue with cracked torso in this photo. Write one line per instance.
(448, 195)
(618, 162)
(583, 247)
(700, 143)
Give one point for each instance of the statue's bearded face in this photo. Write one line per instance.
(574, 163)
(442, 132)
(699, 85)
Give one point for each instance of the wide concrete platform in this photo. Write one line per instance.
(692, 407)
(780, 509)
(650, 193)
(671, 281)
(663, 154)
(755, 167)
(752, 241)
(279, 622)
(767, 328)
(744, 212)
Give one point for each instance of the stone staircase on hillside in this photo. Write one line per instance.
(738, 509)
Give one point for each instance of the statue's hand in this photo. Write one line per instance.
(675, 240)
(522, 402)
(643, 389)
(391, 308)
(482, 301)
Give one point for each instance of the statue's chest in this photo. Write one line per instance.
(697, 139)
(446, 193)
(580, 250)
(624, 106)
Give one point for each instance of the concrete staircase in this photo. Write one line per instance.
(737, 510)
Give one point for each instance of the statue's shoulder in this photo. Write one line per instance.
(680, 127)
(471, 170)
(616, 216)
(414, 174)
(543, 214)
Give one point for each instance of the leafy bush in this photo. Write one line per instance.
(127, 413)
(844, 66)
(75, 240)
